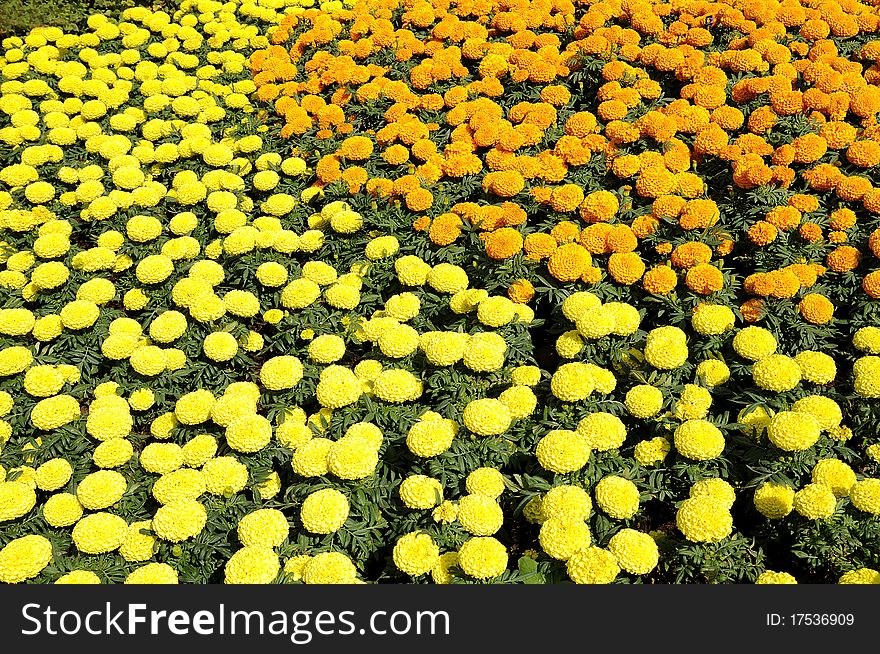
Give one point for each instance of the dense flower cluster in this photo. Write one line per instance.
(503, 292)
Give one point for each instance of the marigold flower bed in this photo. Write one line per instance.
(500, 291)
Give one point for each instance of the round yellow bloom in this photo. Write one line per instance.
(487, 417)
(252, 564)
(481, 515)
(617, 497)
(324, 511)
(593, 565)
(416, 554)
(421, 492)
(562, 450)
(483, 557)
(636, 552)
(24, 558)
(703, 519)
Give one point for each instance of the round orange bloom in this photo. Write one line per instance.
(591, 275)
(356, 148)
(699, 214)
(565, 232)
(503, 243)
(595, 238)
(512, 214)
(621, 239)
(785, 218)
(842, 219)
(704, 279)
(395, 155)
(421, 223)
(724, 248)
(782, 283)
(644, 225)
(419, 200)
(539, 246)
(668, 206)
(752, 310)
(444, 229)
(691, 254)
(853, 188)
(600, 206)
(521, 291)
(654, 182)
(843, 259)
(762, 233)
(660, 280)
(816, 308)
(804, 203)
(566, 197)
(810, 232)
(837, 237)
(871, 284)
(805, 273)
(874, 242)
(626, 267)
(380, 187)
(864, 154)
(328, 170)
(663, 248)
(569, 262)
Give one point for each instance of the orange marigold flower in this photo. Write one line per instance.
(668, 206)
(592, 275)
(660, 280)
(785, 218)
(505, 183)
(654, 182)
(762, 233)
(503, 243)
(752, 310)
(690, 254)
(783, 283)
(421, 223)
(804, 203)
(725, 247)
(645, 225)
(816, 308)
(626, 267)
(810, 232)
(521, 291)
(805, 273)
(356, 148)
(565, 232)
(328, 170)
(621, 239)
(842, 219)
(837, 237)
(599, 206)
(699, 214)
(809, 148)
(539, 246)
(419, 200)
(853, 188)
(566, 197)
(704, 279)
(864, 154)
(663, 248)
(445, 229)
(871, 284)
(874, 242)
(595, 238)
(843, 259)
(569, 262)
